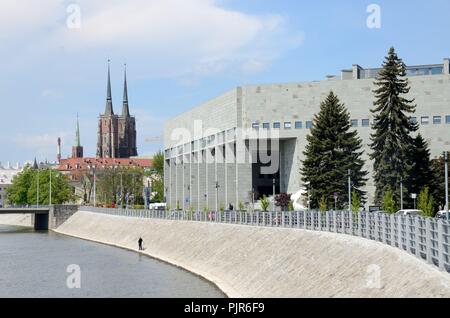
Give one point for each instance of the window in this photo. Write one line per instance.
(437, 120)
(276, 125)
(298, 124)
(354, 122)
(255, 125)
(425, 120)
(413, 120)
(266, 126)
(447, 119)
(287, 125)
(309, 124)
(365, 122)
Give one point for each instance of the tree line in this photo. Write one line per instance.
(399, 154)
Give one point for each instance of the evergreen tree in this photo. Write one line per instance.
(332, 149)
(437, 186)
(391, 139)
(420, 174)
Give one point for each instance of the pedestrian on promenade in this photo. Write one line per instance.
(140, 241)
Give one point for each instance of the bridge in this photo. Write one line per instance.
(44, 217)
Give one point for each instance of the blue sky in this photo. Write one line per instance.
(180, 53)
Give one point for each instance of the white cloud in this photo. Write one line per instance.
(170, 38)
(39, 142)
(51, 93)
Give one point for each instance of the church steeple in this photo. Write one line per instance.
(77, 135)
(109, 105)
(77, 149)
(125, 108)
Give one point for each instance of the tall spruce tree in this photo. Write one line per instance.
(420, 174)
(391, 139)
(332, 149)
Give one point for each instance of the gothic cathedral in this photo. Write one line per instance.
(116, 134)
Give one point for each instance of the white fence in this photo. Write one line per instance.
(426, 238)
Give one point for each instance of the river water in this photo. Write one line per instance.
(35, 264)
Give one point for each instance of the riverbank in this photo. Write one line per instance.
(245, 261)
(16, 219)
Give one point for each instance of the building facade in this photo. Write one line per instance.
(116, 136)
(216, 153)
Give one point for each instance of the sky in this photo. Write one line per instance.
(180, 53)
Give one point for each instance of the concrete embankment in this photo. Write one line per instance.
(247, 261)
(16, 219)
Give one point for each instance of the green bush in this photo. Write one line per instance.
(388, 201)
(426, 202)
(265, 203)
(323, 204)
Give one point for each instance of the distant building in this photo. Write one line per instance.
(6, 176)
(116, 136)
(73, 165)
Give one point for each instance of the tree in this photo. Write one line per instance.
(356, 202)
(437, 187)
(62, 192)
(115, 185)
(24, 187)
(389, 201)
(323, 207)
(282, 200)
(420, 174)
(426, 203)
(158, 177)
(265, 203)
(17, 193)
(391, 139)
(332, 149)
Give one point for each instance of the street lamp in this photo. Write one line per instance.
(349, 190)
(401, 193)
(93, 169)
(446, 185)
(37, 193)
(217, 195)
(273, 192)
(50, 189)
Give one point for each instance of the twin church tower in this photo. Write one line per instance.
(116, 137)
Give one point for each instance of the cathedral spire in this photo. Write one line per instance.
(125, 108)
(109, 106)
(77, 138)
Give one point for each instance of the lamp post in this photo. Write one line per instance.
(217, 195)
(273, 193)
(349, 190)
(37, 193)
(50, 189)
(93, 169)
(401, 193)
(446, 185)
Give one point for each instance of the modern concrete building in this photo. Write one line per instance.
(211, 151)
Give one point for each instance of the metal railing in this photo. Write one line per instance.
(426, 238)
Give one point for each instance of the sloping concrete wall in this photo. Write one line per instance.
(249, 261)
(16, 219)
